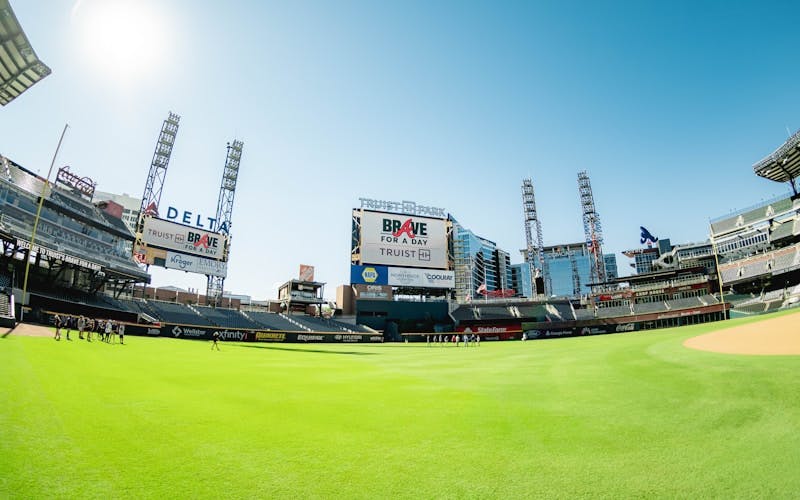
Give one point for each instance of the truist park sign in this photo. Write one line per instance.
(404, 207)
(403, 240)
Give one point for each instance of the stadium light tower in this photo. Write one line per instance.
(227, 191)
(155, 179)
(534, 248)
(592, 229)
(158, 167)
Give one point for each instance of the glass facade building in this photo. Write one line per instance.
(568, 269)
(478, 262)
(521, 279)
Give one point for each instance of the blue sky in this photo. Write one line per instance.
(667, 105)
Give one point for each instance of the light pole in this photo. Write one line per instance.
(36, 225)
(716, 264)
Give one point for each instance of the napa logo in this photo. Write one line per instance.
(369, 274)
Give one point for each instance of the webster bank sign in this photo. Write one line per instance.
(403, 240)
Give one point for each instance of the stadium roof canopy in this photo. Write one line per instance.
(20, 68)
(784, 164)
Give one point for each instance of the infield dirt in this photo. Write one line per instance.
(774, 336)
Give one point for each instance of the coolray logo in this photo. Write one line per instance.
(180, 261)
(376, 338)
(369, 274)
(442, 277)
(310, 338)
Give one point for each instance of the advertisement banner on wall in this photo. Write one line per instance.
(492, 332)
(306, 273)
(422, 278)
(184, 239)
(403, 240)
(193, 264)
(375, 292)
(241, 335)
(369, 275)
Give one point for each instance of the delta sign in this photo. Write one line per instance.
(196, 220)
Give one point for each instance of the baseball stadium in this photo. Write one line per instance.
(441, 370)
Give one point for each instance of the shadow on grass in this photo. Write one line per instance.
(295, 349)
(10, 330)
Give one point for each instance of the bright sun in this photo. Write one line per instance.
(123, 39)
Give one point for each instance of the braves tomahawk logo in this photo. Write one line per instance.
(406, 228)
(646, 237)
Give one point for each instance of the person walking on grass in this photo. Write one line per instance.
(68, 325)
(214, 339)
(57, 323)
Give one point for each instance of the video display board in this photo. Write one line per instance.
(184, 239)
(403, 240)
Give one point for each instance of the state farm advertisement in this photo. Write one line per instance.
(185, 239)
(492, 332)
(403, 240)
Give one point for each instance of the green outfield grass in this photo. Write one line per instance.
(627, 415)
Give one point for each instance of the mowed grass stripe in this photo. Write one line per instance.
(621, 415)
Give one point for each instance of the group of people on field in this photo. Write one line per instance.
(442, 339)
(107, 330)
